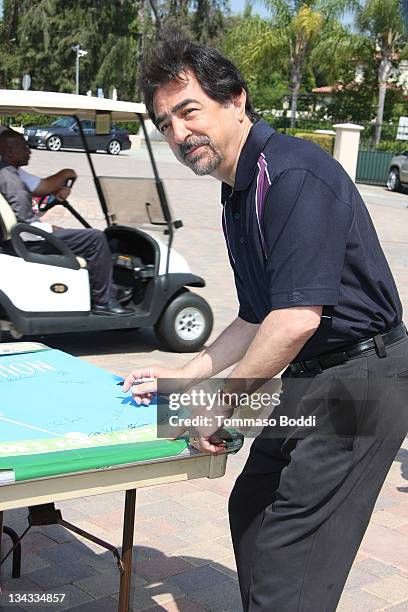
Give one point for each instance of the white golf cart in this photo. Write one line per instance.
(44, 287)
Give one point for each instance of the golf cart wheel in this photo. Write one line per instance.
(393, 182)
(54, 143)
(114, 147)
(185, 324)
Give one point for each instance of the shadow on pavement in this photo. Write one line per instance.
(90, 581)
(402, 458)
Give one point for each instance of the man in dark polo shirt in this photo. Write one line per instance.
(316, 297)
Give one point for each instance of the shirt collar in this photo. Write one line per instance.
(253, 146)
(6, 165)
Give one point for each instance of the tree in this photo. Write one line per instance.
(384, 28)
(37, 36)
(288, 39)
(208, 22)
(8, 26)
(404, 9)
(201, 20)
(266, 82)
(41, 34)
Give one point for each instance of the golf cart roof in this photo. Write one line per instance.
(129, 201)
(14, 101)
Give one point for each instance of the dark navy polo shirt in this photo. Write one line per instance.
(299, 234)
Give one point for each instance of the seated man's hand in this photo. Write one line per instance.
(69, 173)
(56, 184)
(63, 193)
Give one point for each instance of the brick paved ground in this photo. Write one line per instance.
(184, 560)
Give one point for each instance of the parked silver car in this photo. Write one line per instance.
(398, 173)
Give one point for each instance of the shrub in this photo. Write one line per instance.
(326, 141)
(26, 119)
(394, 146)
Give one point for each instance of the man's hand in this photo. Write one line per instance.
(55, 183)
(212, 445)
(143, 393)
(206, 440)
(67, 173)
(62, 193)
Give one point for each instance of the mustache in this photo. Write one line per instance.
(186, 147)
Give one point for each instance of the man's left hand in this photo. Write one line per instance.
(208, 445)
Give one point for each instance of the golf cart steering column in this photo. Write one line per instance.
(44, 205)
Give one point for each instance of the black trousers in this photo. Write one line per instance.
(299, 510)
(93, 246)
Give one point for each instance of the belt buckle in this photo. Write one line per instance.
(297, 367)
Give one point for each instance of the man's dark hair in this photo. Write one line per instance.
(216, 74)
(7, 133)
(7, 136)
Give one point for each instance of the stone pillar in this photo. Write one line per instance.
(346, 146)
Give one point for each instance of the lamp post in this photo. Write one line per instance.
(79, 53)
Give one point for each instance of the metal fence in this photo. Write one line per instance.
(394, 137)
(282, 124)
(373, 166)
(373, 163)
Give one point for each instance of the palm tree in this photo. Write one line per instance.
(385, 28)
(295, 28)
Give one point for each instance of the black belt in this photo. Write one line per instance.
(329, 360)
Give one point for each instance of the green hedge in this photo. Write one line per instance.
(326, 141)
(395, 146)
(26, 119)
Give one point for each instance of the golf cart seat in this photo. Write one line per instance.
(49, 251)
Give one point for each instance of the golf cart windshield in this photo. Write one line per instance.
(133, 201)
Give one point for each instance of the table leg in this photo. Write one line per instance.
(127, 550)
(1, 540)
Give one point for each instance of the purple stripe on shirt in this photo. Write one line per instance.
(262, 185)
(225, 230)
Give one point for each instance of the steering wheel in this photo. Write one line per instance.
(45, 205)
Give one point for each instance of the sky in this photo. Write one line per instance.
(237, 6)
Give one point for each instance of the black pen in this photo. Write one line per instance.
(137, 381)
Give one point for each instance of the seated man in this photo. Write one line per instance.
(54, 184)
(89, 243)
